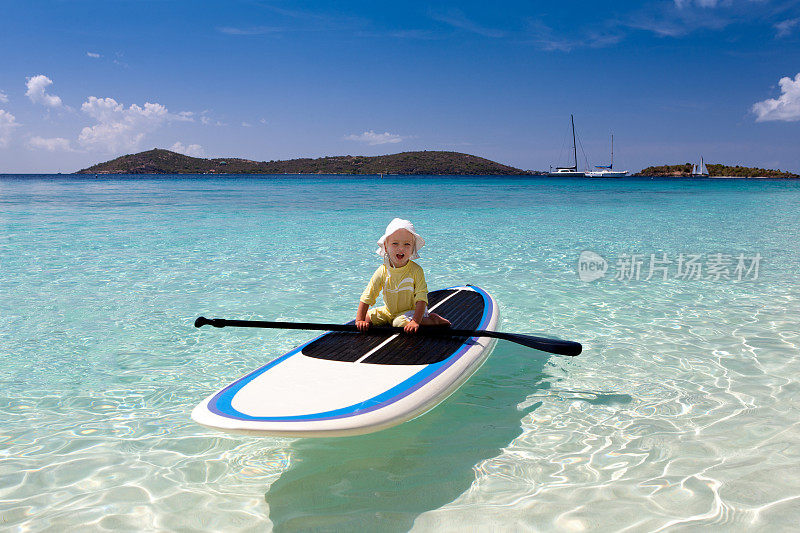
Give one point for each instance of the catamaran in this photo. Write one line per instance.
(700, 171)
(607, 172)
(569, 172)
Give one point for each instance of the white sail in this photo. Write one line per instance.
(700, 170)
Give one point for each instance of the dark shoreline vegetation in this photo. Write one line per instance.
(159, 161)
(685, 171)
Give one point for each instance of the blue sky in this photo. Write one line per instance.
(83, 82)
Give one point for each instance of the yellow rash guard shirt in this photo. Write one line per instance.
(402, 288)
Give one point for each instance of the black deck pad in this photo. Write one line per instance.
(464, 311)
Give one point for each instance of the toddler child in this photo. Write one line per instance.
(405, 293)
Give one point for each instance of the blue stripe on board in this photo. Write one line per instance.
(221, 403)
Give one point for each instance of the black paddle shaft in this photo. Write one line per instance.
(555, 346)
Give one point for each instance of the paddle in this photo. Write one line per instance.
(556, 346)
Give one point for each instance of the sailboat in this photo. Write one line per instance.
(569, 172)
(700, 171)
(607, 172)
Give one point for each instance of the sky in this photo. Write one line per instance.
(83, 82)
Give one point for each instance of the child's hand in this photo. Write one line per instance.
(362, 325)
(411, 327)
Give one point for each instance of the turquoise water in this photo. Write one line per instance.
(681, 412)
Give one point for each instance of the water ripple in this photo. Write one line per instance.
(680, 414)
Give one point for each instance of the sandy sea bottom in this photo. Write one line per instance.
(681, 413)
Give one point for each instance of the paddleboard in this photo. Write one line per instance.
(344, 383)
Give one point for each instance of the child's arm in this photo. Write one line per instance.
(419, 310)
(368, 298)
(361, 317)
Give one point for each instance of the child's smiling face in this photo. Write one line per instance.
(400, 246)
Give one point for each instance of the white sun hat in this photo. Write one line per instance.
(394, 225)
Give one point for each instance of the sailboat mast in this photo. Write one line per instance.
(574, 149)
(612, 152)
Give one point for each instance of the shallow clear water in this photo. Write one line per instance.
(681, 412)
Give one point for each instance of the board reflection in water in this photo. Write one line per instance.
(383, 481)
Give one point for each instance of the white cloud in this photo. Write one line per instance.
(206, 120)
(456, 18)
(95, 55)
(194, 150)
(255, 30)
(681, 18)
(372, 138)
(7, 125)
(550, 40)
(701, 3)
(246, 125)
(786, 107)
(37, 86)
(3, 98)
(119, 128)
(785, 28)
(55, 144)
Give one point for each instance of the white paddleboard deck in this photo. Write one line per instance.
(348, 383)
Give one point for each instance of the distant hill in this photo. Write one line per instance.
(159, 161)
(685, 171)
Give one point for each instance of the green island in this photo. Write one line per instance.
(428, 162)
(158, 161)
(685, 171)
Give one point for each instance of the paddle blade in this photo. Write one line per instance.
(216, 322)
(556, 346)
